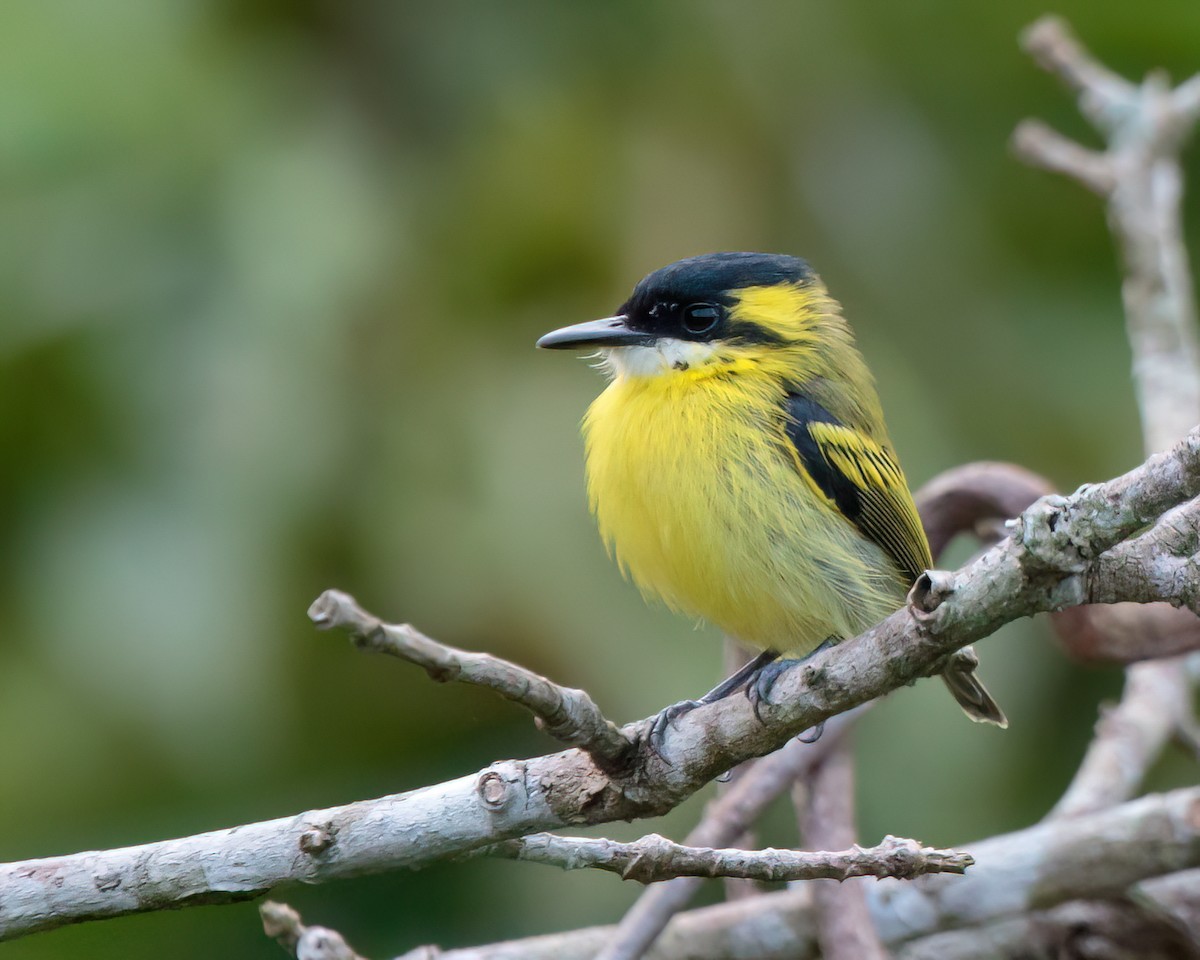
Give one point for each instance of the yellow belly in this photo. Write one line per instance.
(695, 493)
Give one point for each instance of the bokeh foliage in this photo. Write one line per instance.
(271, 276)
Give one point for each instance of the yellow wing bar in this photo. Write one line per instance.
(863, 480)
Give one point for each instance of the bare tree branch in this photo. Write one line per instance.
(845, 930)
(977, 498)
(1129, 736)
(569, 715)
(307, 943)
(1074, 858)
(1139, 174)
(1125, 633)
(735, 655)
(1046, 564)
(1042, 146)
(723, 822)
(1158, 919)
(654, 857)
(1144, 127)
(1105, 97)
(1094, 857)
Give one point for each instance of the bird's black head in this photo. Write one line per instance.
(691, 299)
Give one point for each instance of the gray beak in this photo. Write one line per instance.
(609, 332)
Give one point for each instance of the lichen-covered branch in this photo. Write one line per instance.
(1099, 856)
(567, 714)
(1045, 565)
(725, 820)
(1051, 862)
(653, 858)
(976, 497)
(1157, 919)
(1139, 175)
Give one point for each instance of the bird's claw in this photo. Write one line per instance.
(758, 690)
(813, 734)
(665, 719)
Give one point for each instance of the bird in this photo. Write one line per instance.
(739, 467)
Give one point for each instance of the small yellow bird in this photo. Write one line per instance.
(739, 467)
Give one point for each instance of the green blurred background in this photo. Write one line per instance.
(271, 276)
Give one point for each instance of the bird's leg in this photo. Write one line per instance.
(745, 674)
(758, 690)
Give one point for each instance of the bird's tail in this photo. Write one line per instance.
(969, 691)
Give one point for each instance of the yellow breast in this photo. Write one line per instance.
(696, 493)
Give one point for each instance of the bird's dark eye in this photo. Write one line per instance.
(700, 317)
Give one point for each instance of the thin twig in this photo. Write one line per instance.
(1094, 857)
(1105, 97)
(1144, 127)
(652, 858)
(307, 943)
(1157, 919)
(1045, 565)
(1129, 736)
(725, 820)
(957, 500)
(567, 714)
(734, 656)
(1042, 146)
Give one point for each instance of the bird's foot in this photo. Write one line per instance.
(666, 717)
(747, 674)
(758, 690)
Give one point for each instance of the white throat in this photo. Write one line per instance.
(663, 356)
